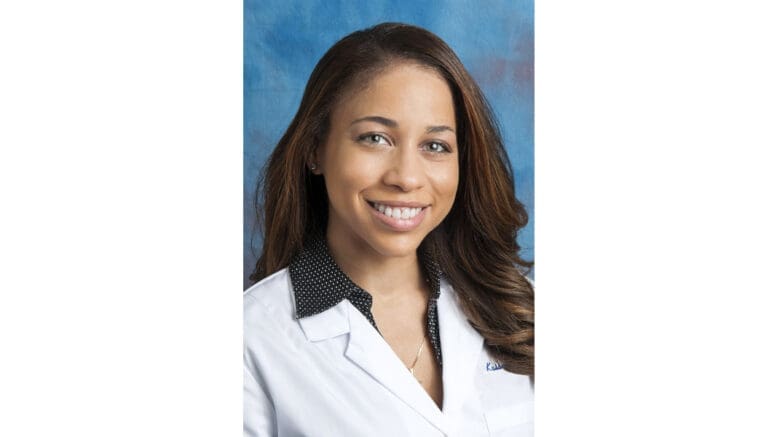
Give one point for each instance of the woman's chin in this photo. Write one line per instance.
(396, 246)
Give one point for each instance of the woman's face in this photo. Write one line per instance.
(390, 162)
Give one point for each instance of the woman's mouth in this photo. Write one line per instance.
(402, 218)
(396, 212)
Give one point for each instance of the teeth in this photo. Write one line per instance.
(396, 212)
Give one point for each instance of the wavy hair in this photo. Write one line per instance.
(475, 245)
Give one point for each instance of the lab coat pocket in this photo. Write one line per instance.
(513, 420)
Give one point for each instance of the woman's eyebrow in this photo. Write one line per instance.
(441, 128)
(392, 123)
(377, 119)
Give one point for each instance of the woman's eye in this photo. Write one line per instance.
(374, 139)
(437, 147)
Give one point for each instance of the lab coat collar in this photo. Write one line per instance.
(328, 324)
(461, 346)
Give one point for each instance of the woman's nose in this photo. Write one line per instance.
(405, 170)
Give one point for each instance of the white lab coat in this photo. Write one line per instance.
(332, 374)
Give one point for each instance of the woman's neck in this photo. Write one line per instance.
(384, 277)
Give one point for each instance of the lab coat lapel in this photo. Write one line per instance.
(327, 324)
(461, 349)
(368, 350)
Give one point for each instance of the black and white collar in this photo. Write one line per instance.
(319, 284)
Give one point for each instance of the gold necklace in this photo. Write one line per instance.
(417, 355)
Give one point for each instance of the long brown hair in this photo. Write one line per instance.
(476, 243)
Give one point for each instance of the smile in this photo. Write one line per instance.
(399, 218)
(396, 212)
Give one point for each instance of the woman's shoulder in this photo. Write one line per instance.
(270, 296)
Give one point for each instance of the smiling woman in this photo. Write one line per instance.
(401, 159)
(391, 299)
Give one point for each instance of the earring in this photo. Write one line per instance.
(313, 166)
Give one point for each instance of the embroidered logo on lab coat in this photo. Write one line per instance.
(490, 367)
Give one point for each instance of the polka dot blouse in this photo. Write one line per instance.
(319, 284)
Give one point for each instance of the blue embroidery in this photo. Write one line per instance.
(490, 367)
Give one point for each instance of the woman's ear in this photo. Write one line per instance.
(314, 164)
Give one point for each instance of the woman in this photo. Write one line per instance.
(391, 299)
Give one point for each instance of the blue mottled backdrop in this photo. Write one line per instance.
(284, 39)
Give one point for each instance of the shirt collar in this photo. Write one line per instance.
(319, 283)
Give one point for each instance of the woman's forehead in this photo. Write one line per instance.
(405, 90)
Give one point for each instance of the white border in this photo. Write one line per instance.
(120, 244)
(655, 218)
